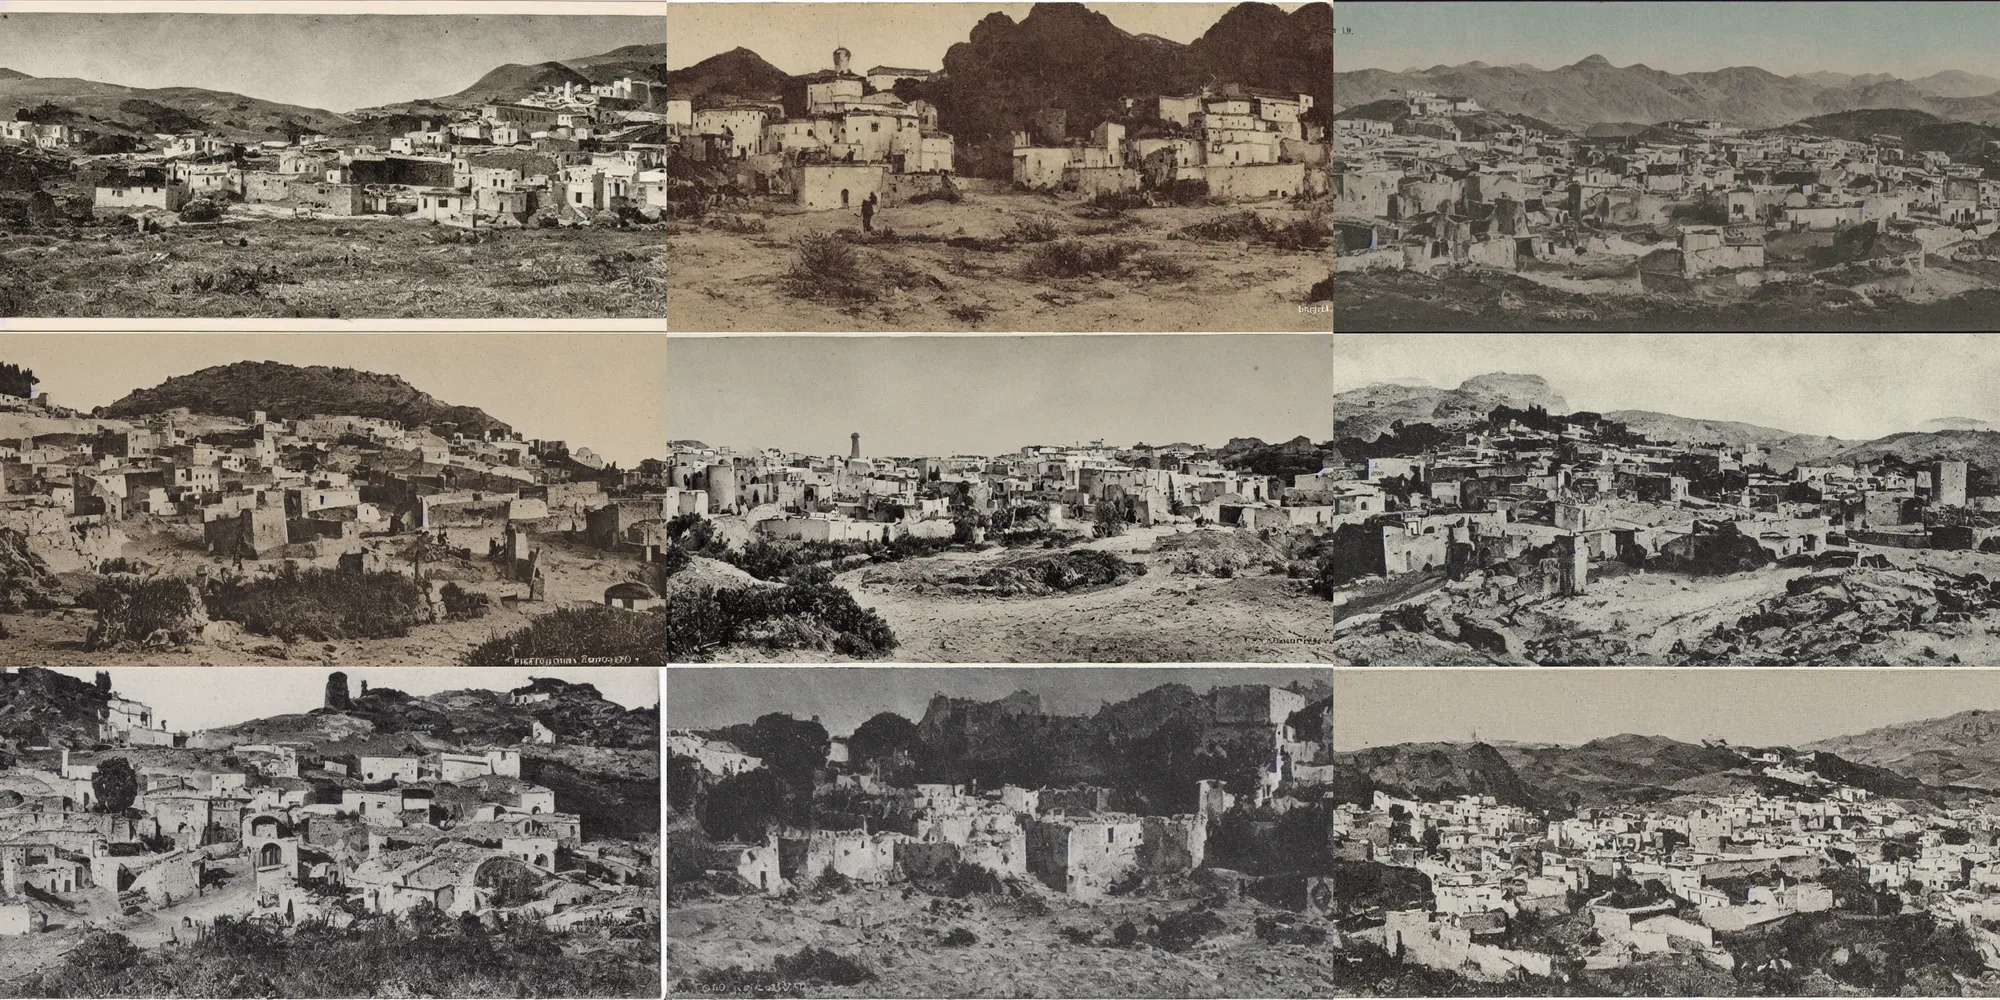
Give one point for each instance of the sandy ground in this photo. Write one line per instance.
(93, 909)
(1015, 955)
(721, 281)
(1158, 617)
(575, 575)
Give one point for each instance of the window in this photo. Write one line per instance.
(874, 126)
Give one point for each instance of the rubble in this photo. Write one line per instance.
(1837, 614)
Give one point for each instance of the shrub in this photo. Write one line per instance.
(461, 604)
(1076, 259)
(745, 224)
(582, 635)
(958, 938)
(1125, 935)
(162, 609)
(1184, 930)
(323, 604)
(201, 210)
(820, 965)
(826, 267)
(1040, 229)
(1077, 935)
(1322, 291)
(948, 194)
(706, 619)
(676, 559)
(1160, 267)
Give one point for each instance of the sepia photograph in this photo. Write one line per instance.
(268, 832)
(328, 165)
(332, 499)
(1056, 167)
(1665, 499)
(1000, 831)
(1753, 166)
(1665, 833)
(983, 499)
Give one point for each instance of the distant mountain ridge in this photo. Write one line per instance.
(1961, 750)
(512, 81)
(1593, 90)
(291, 392)
(1371, 410)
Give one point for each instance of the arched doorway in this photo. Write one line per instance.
(843, 197)
(541, 861)
(270, 856)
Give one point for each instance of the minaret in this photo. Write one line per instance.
(840, 58)
(854, 439)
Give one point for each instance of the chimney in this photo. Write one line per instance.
(64, 769)
(854, 445)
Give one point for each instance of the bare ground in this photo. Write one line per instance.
(1016, 954)
(721, 281)
(1158, 617)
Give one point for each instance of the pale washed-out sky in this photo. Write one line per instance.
(333, 62)
(800, 37)
(602, 391)
(845, 697)
(1905, 39)
(1849, 385)
(193, 698)
(946, 395)
(1574, 705)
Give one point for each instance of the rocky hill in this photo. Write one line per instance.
(1920, 131)
(1979, 447)
(44, 708)
(1286, 458)
(513, 81)
(1592, 90)
(13, 74)
(291, 391)
(1787, 449)
(1961, 750)
(576, 713)
(1369, 411)
(738, 74)
(1432, 771)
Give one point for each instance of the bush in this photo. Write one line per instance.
(947, 194)
(1125, 935)
(323, 604)
(159, 610)
(461, 604)
(1308, 233)
(1040, 229)
(582, 635)
(706, 619)
(826, 267)
(1322, 291)
(958, 938)
(744, 224)
(201, 210)
(820, 965)
(1184, 930)
(1077, 935)
(1076, 259)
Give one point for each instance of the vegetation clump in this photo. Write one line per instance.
(461, 604)
(794, 616)
(1077, 259)
(1308, 233)
(593, 634)
(322, 604)
(155, 611)
(827, 268)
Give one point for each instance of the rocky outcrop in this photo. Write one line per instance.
(1833, 616)
(25, 580)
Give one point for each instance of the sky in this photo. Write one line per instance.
(845, 697)
(1848, 385)
(331, 62)
(601, 391)
(1908, 40)
(945, 395)
(1574, 705)
(187, 699)
(800, 37)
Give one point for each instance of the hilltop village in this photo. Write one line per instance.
(126, 825)
(1681, 208)
(1497, 891)
(1563, 538)
(473, 518)
(560, 156)
(859, 139)
(973, 847)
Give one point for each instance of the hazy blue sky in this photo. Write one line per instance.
(1908, 40)
(1573, 705)
(206, 697)
(845, 697)
(988, 395)
(601, 391)
(334, 62)
(1849, 385)
(800, 37)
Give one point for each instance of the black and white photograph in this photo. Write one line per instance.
(983, 499)
(1662, 832)
(1004, 167)
(999, 832)
(1665, 499)
(332, 499)
(313, 164)
(273, 832)
(1667, 166)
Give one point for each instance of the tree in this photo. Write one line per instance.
(103, 681)
(17, 381)
(115, 785)
(1106, 520)
(880, 736)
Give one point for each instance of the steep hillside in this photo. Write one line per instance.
(13, 74)
(1258, 45)
(43, 708)
(511, 81)
(1956, 83)
(1919, 130)
(1369, 411)
(1786, 448)
(1961, 749)
(114, 110)
(645, 61)
(1432, 771)
(290, 392)
(1299, 456)
(576, 713)
(1625, 768)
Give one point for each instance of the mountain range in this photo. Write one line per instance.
(1370, 411)
(112, 109)
(1592, 91)
(288, 392)
(1068, 60)
(1630, 769)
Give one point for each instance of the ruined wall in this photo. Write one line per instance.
(1172, 843)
